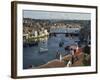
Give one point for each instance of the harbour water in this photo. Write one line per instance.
(33, 57)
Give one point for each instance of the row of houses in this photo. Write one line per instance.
(65, 30)
(35, 34)
(37, 28)
(52, 30)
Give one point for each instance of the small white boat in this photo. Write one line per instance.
(43, 49)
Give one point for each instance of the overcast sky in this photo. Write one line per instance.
(56, 15)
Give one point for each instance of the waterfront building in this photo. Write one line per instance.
(66, 29)
(25, 36)
(35, 33)
(46, 32)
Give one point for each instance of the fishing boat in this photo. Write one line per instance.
(43, 49)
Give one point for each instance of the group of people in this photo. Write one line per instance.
(75, 52)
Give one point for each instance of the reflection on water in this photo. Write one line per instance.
(46, 50)
(43, 44)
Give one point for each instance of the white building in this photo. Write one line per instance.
(25, 36)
